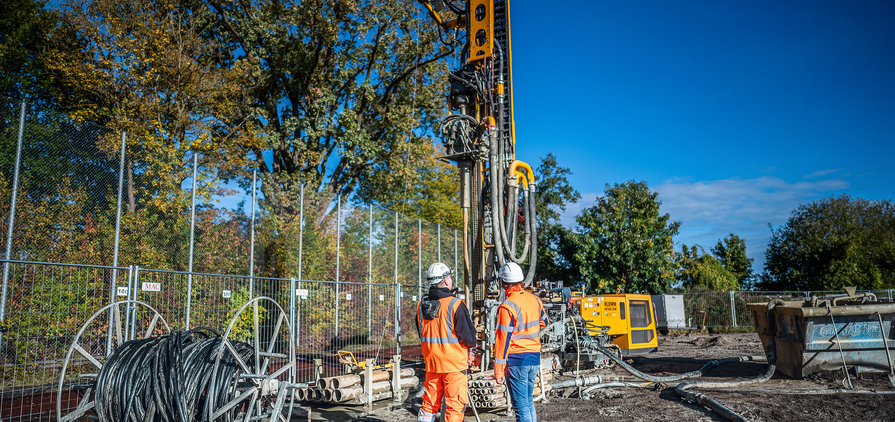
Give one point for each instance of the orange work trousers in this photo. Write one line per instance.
(455, 390)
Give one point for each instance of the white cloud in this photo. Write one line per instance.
(710, 210)
(821, 173)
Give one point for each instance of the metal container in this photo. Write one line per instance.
(822, 335)
(669, 312)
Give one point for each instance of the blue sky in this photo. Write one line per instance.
(736, 112)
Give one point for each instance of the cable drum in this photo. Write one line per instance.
(184, 376)
(163, 378)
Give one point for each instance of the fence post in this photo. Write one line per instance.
(301, 226)
(397, 294)
(338, 253)
(370, 274)
(130, 320)
(419, 257)
(12, 215)
(733, 309)
(293, 334)
(117, 239)
(439, 242)
(252, 231)
(189, 276)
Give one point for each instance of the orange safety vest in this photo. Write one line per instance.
(520, 317)
(442, 350)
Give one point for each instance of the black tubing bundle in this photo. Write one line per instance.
(167, 378)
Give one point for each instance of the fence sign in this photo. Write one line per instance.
(414, 298)
(381, 298)
(122, 291)
(347, 296)
(301, 293)
(152, 287)
(226, 294)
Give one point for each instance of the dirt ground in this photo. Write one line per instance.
(779, 399)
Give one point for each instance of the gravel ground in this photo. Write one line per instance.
(779, 399)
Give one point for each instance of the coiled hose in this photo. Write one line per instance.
(166, 378)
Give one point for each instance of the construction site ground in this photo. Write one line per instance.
(779, 399)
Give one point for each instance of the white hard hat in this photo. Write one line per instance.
(511, 273)
(437, 272)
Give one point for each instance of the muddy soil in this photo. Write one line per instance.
(819, 397)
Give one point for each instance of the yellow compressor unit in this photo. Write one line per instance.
(629, 317)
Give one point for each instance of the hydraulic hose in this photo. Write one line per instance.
(496, 231)
(587, 391)
(706, 401)
(532, 215)
(671, 378)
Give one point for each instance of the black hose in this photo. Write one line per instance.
(169, 378)
(770, 351)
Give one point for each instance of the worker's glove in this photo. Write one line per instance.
(499, 380)
(470, 358)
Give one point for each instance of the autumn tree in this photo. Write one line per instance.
(554, 192)
(624, 241)
(151, 68)
(343, 92)
(833, 243)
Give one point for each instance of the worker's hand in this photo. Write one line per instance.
(499, 380)
(470, 359)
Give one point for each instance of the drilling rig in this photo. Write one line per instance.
(497, 192)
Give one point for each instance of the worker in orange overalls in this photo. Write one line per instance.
(517, 346)
(447, 337)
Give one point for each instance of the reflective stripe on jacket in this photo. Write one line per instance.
(519, 321)
(442, 350)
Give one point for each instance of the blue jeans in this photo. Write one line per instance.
(521, 384)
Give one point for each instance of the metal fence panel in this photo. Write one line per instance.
(46, 307)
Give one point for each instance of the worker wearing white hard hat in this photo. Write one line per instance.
(447, 337)
(517, 348)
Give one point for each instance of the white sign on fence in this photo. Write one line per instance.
(381, 298)
(347, 296)
(226, 294)
(122, 291)
(152, 287)
(414, 298)
(301, 293)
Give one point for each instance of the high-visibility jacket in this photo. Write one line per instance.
(518, 338)
(442, 350)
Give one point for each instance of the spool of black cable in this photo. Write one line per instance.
(167, 378)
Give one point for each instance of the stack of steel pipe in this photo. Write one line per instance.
(487, 393)
(349, 388)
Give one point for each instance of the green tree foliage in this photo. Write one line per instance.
(624, 241)
(833, 243)
(731, 253)
(25, 29)
(703, 272)
(553, 194)
(343, 92)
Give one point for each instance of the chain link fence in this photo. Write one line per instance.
(728, 309)
(89, 222)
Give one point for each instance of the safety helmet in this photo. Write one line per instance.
(511, 273)
(437, 272)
